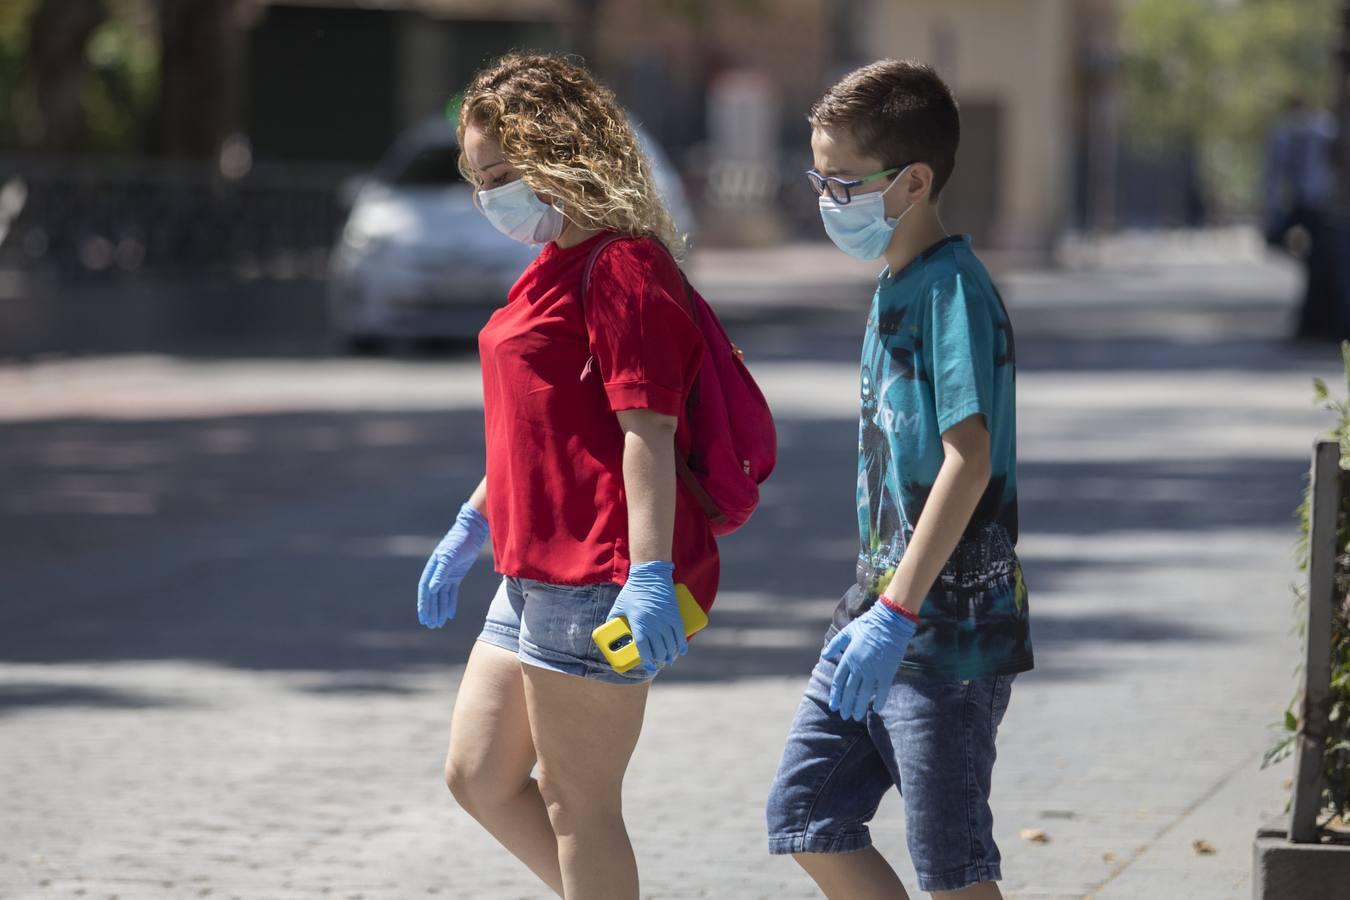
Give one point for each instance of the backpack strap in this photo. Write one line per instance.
(615, 238)
(682, 466)
(701, 496)
(604, 242)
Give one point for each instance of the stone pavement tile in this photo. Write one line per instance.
(1170, 866)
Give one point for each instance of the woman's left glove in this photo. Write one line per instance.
(438, 591)
(648, 601)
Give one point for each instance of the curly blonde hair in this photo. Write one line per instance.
(570, 140)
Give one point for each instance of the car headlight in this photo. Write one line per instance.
(364, 242)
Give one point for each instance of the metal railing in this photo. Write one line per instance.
(102, 215)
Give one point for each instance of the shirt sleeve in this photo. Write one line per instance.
(960, 335)
(644, 341)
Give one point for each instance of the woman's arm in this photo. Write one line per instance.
(649, 483)
(478, 499)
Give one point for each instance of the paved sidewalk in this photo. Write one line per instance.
(225, 695)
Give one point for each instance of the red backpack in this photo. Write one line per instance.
(733, 445)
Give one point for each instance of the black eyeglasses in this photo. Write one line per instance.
(840, 189)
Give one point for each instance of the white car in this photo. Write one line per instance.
(417, 260)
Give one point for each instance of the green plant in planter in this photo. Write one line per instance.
(1336, 757)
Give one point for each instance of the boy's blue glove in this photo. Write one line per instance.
(868, 651)
(648, 601)
(438, 591)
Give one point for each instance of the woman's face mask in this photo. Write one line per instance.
(517, 212)
(860, 227)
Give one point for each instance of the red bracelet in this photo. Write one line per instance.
(897, 608)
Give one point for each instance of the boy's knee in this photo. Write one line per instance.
(812, 861)
(824, 867)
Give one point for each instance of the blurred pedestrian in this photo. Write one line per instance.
(585, 407)
(918, 664)
(1297, 192)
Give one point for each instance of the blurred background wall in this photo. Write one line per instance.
(143, 133)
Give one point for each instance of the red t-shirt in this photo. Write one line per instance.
(555, 489)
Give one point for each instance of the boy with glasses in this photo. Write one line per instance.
(918, 663)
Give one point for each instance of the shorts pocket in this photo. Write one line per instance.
(530, 585)
(1002, 697)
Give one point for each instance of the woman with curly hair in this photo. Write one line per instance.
(584, 405)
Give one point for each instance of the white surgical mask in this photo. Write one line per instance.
(860, 227)
(517, 212)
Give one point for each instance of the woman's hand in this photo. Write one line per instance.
(648, 602)
(438, 591)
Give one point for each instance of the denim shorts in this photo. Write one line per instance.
(932, 738)
(550, 625)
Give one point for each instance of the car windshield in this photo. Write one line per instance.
(429, 167)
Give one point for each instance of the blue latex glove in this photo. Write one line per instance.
(648, 602)
(438, 591)
(868, 651)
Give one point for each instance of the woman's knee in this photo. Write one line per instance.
(460, 779)
(573, 799)
(479, 788)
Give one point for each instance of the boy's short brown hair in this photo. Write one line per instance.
(899, 111)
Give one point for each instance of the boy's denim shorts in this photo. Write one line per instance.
(550, 625)
(932, 738)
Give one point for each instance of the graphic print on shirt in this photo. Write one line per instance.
(975, 618)
(883, 524)
(877, 487)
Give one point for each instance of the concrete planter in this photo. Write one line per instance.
(1282, 870)
(1296, 861)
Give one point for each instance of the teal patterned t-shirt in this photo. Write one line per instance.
(938, 349)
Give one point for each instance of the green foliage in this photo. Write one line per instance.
(13, 58)
(118, 91)
(1213, 74)
(1336, 755)
(120, 97)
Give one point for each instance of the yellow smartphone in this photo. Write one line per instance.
(615, 638)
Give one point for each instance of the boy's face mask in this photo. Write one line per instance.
(517, 212)
(860, 227)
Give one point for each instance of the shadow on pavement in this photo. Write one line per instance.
(1163, 495)
(294, 542)
(16, 697)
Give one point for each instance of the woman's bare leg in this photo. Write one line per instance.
(584, 734)
(491, 757)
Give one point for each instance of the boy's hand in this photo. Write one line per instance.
(868, 651)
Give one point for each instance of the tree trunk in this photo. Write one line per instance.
(57, 35)
(200, 72)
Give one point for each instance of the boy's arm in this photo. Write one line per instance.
(960, 484)
(869, 650)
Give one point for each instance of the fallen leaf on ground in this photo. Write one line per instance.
(1203, 847)
(1035, 836)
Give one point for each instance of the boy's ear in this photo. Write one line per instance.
(918, 185)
